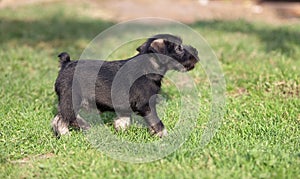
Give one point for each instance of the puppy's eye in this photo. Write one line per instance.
(179, 49)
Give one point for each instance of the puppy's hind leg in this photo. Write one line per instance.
(80, 123)
(66, 114)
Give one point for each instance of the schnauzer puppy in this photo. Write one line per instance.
(90, 83)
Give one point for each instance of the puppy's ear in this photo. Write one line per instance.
(142, 48)
(158, 45)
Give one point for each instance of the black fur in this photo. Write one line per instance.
(74, 90)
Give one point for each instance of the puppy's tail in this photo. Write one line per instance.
(64, 58)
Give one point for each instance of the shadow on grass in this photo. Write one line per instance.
(63, 31)
(55, 32)
(283, 38)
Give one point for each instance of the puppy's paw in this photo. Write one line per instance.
(59, 126)
(122, 123)
(81, 123)
(160, 134)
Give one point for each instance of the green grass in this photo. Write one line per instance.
(259, 136)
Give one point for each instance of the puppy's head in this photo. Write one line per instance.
(182, 57)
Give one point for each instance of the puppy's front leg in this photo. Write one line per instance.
(121, 123)
(156, 126)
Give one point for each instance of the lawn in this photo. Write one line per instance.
(259, 136)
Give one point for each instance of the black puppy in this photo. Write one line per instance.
(124, 86)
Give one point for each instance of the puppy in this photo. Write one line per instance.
(123, 86)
